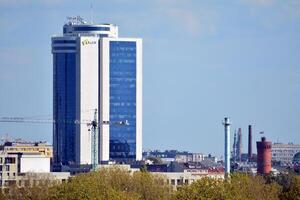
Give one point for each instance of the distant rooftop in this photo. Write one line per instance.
(77, 26)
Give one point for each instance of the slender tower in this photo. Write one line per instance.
(239, 145)
(234, 147)
(226, 124)
(264, 156)
(249, 143)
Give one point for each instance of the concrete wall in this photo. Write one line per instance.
(34, 163)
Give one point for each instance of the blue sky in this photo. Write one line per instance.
(203, 60)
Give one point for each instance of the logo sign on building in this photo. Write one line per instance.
(87, 42)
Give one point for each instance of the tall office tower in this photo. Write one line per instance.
(95, 69)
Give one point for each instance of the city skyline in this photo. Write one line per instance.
(202, 62)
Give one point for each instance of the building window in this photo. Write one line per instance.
(179, 182)
(6, 167)
(122, 99)
(10, 160)
(172, 181)
(10, 182)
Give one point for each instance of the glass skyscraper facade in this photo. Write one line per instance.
(122, 98)
(95, 69)
(64, 105)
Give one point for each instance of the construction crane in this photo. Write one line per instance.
(92, 124)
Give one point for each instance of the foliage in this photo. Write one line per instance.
(35, 187)
(121, 184)
(285, 179)
(105, 184)
(205, 188)
(244, 187)
(239, 187)
(293, 192)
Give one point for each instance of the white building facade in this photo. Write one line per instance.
(284, 152)
(94, 69)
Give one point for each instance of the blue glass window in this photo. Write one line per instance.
(123, 99)
(64, 48)
(64, 107)
(91, 28)
(103, 35)
(64, 41)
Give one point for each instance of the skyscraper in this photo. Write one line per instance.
(95, 69)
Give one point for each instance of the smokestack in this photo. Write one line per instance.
(249, 143)
(226, 124)
(239, 145)
(234, 147)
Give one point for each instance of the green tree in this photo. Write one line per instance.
(151, 187)
(205, 188)
(238, 187)
(247, 187)
(106, 184)
(293, 193)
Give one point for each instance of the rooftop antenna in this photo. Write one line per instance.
(92, 13)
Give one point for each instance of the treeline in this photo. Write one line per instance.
(119, 184)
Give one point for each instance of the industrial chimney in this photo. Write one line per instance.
(249, 143)
(226, 124)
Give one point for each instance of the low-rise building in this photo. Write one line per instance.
(189, 157)
(175, 174)
(8, 169)
(189, 176)
(28, 147)
(284, 152)
(174, 155)
(34, 163)
(21, 168)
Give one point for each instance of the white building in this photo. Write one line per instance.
(284, 152)
(189, 157)
(34, 163)
(189, 176)
(94, 69)
(19, 168)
